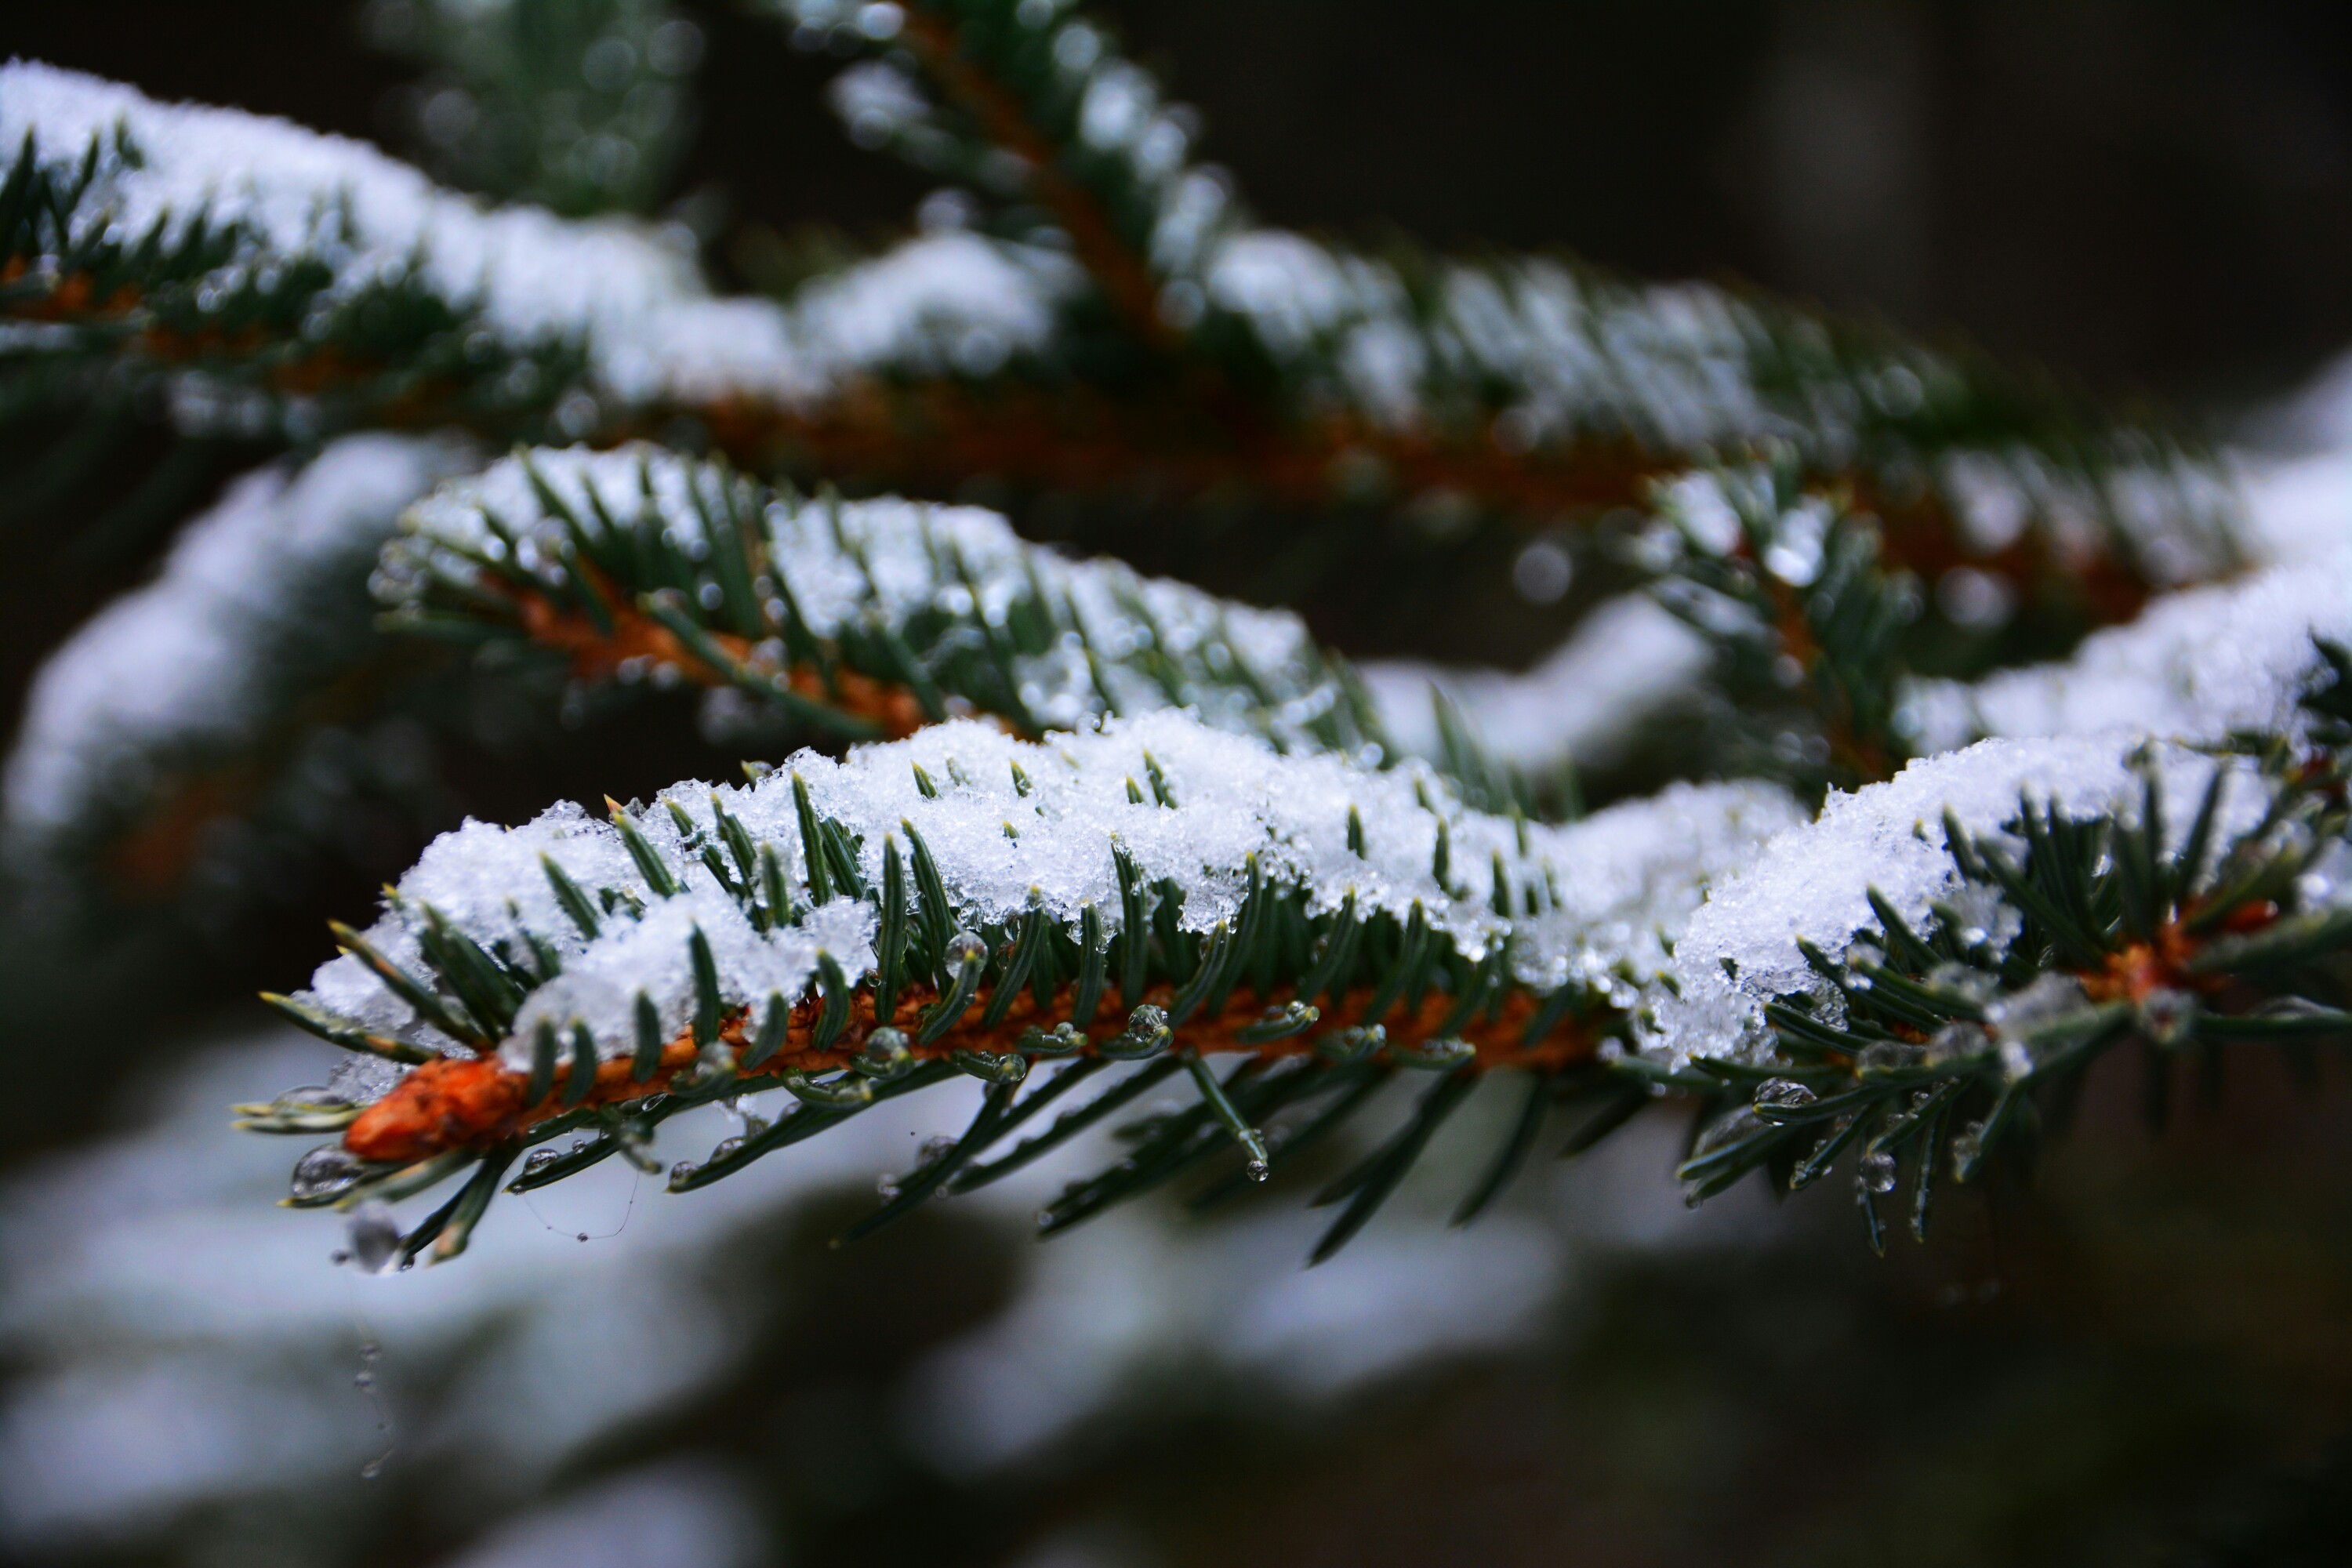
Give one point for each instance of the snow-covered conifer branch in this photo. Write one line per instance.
(1904, 977)
(1537, 383)
(276, 276)
(860, 618)
(1948, 943)
(1178, 803)
(963, 901)
(1523, 382)
(1817, 621)
(272, 279)
(149, 728)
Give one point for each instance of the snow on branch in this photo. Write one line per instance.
(172, 169)
(1016, 827)
(273, 274)
(866, 618)
(964, 899)
(1886, 855)
(260, 200)
(940, 304)
(1546, 356)
(1529, 384)
(1927, 974)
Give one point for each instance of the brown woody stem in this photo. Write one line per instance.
(452, 1103)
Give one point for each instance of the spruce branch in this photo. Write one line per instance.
(857, 930)
(2057, 886)
(237, 327)
(1536, 386)
(1982, 972)
(1821, 643)
(1927, 971)
(856, 619)
(967, 903)
(268, 278)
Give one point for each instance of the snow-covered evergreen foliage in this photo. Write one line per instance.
(638, 564)
(1955, 740)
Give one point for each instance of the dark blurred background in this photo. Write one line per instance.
(2143, 1364)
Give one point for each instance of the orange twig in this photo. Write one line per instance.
(2142, 968)
(450, 1104)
